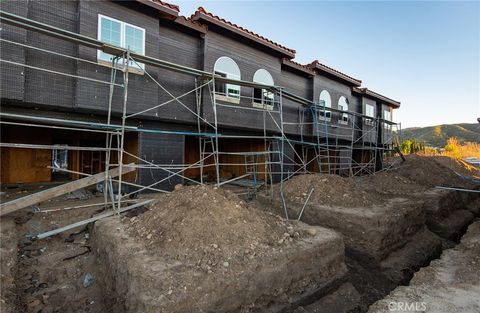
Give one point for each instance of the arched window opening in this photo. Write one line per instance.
(264, 97)
(226, 67)
(325, 101)
(343, 106)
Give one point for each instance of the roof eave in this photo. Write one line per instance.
(190, 24)
(377, 96)
(297, 67)
(165, 11)
(202, 16)
(352, 81)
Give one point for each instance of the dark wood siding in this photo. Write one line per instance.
(370, 136)
(249, 60)
(12, 82)
(160, 149)
(49, 89)
(184, 49)
(336, 90)
(142, 91)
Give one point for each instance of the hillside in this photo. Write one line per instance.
(437, 136)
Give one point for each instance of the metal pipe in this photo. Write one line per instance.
(305, 204)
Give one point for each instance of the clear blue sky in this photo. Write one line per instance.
(424, 54)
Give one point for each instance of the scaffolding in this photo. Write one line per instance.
(347, 147)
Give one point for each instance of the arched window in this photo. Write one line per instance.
(325, 100)
(226, 67)
(343, 105)
(263, 96)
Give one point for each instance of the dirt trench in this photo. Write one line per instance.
(382, 248)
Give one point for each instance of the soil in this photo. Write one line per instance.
(449, 284)
(210, 235)
(418, 174)
(332, 190)
(204, 249)
(431, 171)
(48, 274)
(205, 226)
(8, 257)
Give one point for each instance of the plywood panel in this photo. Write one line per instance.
(25, 165)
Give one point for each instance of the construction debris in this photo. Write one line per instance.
(29, 200)
(90, 220)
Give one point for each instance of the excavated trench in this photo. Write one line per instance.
(387, 244)
(384, 247)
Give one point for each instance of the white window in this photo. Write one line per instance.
(226, 67)
(325, 100)
(263, 98)
(369, 110)
(120, 34)
(370, 113)
(343, 106)
(387, 115)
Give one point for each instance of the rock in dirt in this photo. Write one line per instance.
(183, 226)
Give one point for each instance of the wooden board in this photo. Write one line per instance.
(25, 165)
(32, 199)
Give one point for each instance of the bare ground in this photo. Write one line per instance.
(215, 254)
(450, 284)
(48, 275)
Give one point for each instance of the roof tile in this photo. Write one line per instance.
(168, 5)
(298, 66)
(317, 64)
(201, 10)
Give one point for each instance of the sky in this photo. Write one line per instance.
(425, 54)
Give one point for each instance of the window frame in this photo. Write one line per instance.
(264, 93)
(226, 96)
(390, 119)
(343, 117)
(62, 156)
(369, 120)
(389, 111)
(327, 115)
(100, 60)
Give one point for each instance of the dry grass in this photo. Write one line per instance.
(454, 149)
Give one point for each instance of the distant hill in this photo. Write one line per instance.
(436, 136)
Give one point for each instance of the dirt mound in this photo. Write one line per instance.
(330, 190)
(418, 174)
(431, 171)
(209, 227)
(391, 183)
(458, 166)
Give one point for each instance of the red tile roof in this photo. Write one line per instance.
(191, 24)
(201, 13)
(165, 9)
(168, 5)
(317, 65)
(298, 66)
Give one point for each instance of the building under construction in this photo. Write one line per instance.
(104, 100)
(90, 85)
